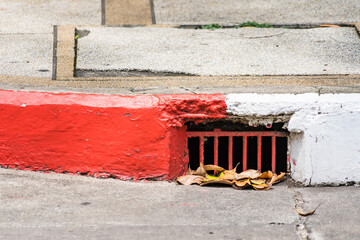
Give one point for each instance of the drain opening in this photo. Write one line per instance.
(262, 150)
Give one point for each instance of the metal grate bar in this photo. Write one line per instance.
(216, 133)
(216, 151)
(259, 141)
(273, 153)
(244, 153)
(201, 149)
(230, 152)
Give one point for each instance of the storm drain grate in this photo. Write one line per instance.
(262, 150)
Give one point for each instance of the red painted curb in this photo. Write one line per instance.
(101, 135)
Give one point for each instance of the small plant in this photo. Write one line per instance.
(211, 26)
(253, 24)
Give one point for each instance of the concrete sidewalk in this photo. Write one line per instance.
(222, 52)
(55, 206)
(27, 40)
(272, 11)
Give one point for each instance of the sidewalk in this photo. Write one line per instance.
(53, 206)
(275, 12)
(28, 42)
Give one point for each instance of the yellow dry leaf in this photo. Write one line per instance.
(280, 176)
(308, 213)
(216, 181)
(250, 173)
(208, 176)
(272, 180)
(263, 186)
(267, 174)
(213, 168)
(257, 181)
(305, 214)
(189, 179)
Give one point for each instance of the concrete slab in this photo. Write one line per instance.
(38, 16)
(337, 208)
(26, 54)
(245, 51)
(38, 205)
(272, 11)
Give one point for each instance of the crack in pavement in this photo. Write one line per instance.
(301, 228)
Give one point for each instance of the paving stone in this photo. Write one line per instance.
(335, 216)
(39, 16)
(244, 51)
(26, 54)
(269, 11)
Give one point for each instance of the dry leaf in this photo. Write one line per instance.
(189, 171)
(265, 186)
(305, 214)
(257, 181)
(213, 168)
(189, 179)
(250, 177)
(232, 171)
(308, 213)
(329, 25)
(261, 186)
(230, 174)
(215, 181)
(280, 177)
(272, 180)
(200, 170)
(241, 184)
(250, 173)
(208, 176)
(267, 174)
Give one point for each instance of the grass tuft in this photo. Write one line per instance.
(253, 24)
(211, 26)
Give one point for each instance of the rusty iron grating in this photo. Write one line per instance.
(262, 150)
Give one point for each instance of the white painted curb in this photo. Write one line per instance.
(324, 140)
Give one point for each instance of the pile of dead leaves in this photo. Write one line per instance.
(249, 178)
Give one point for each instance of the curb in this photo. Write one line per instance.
(125, 137)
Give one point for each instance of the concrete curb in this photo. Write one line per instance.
(100, 135)
(118, 12)
(65, 52)
(137, 137)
